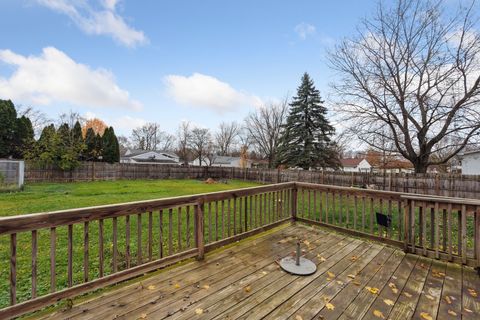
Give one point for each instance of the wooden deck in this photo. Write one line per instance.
(356, 279)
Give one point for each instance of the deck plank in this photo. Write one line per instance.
(451, 301)
(470, 294)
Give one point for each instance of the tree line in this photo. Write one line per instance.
(63, 146)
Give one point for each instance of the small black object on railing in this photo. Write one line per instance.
(383, 220)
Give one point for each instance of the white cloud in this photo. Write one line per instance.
(55, 77)
(127, 123)
(304, 29)
(99, 21)
(204, 91)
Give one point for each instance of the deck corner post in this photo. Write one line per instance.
(199, 235)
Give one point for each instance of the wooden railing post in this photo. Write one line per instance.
(199, 236)
(294, 203)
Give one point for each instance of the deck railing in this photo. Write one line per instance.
(58, 255)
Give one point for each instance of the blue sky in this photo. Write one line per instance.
(132, 61)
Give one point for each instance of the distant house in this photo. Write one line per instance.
(471, 162)
(355, 165)
(149, 157)
(222, 161)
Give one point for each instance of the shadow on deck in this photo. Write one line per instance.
(356, 279)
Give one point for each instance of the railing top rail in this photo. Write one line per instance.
(428, 198)
(34, 221)
(350, 189)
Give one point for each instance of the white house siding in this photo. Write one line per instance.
(363, 166)
(471, 163)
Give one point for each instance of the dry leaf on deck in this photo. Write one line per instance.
(393, 287)
(206, 287)
(388, 302)
(426, 316)
(451, 312)
(351, 276)
(357, 283)
(320, 258)
(247, 289)
(264, 272)
(151, 287)
(372, 290)
(331, 274)
(472, 292)
(378, 314)
(353, 258)
(339, 282)
(467, 310)
(306, 242)
(198, 311)
(448, 300)
(143, 316)
(298, 317)
(330, 306)
(177, 285)
(406, 294)
(429, 297)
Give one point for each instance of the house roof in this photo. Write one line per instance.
(351, 162)
(135, 152)
(224, 159)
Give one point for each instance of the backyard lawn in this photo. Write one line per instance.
(42, 197)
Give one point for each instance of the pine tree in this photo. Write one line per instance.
(45, 151)
(111, 152)
(306, 138)
(23, 139)
(78, 141)
(90, 145)
(98, 152)
(8, 117)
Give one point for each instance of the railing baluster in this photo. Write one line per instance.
(150, 235)
(85, 252)
(347, 213)
(459, 233)
(321, 206)
(444, 229)
(251, 216)
(372, 209)
(199, 236)
(412, 225)
(53, 273)
(315, 205)
(229, 232)
(139, 239)
(340, 208)
(463, 233)
(355, 206)
(70, 255)
(476, 241)
(309, 204)
(100, 247)
(179, 228)
(216, 221)
(188, 226)
(390, 230)
(13, 269)
(364, 208)
(400, 229)
(245, 214)
(424, 228)
(34, 263)
(449, 231)
(234, 215)
(127, 240)
(240, 214)
(209, 222)
(334, 216)
(380, 228)
(115, 245)
(326, 207)
(160, 233)
(223, 219)
(170, 231)
(435, 235)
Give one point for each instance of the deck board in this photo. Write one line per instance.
(245, 282)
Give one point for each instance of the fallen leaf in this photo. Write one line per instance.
(406, 294)
(388, 302)
(206, 287)
(448, 300)
(393, 287)
(467, 310)
(329, 306)
(372, 290)
(264, 272)
(351, 276)
(426, 316)
(378, 314)
(429, 297)
(143, 316)
(320, 258)
(151, 287)
(298, 317)
(339, 282)
(198, 311)
(353, 258)
(451, 312)
(357, 283)
(247, 289)
(330, 274)
(329, 279)
(306, 242)
(177, 285)
(472, 292)
(326, 299)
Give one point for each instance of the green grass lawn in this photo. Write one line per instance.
(57, 196)
(43, 197)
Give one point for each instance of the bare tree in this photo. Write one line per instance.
(184, 134)
(39, 119)
(264, 127)
(225, 138)
(201, 144)
(150, 137)
(414, 71)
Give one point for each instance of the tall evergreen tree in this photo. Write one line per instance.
(306, 137)
(23, 139)
(78, 141)
(8, 117)
(90, 145)
(98, 147)
(110, 150)
(45, 151)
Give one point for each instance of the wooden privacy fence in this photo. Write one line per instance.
(450, 185)
(50, 256)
